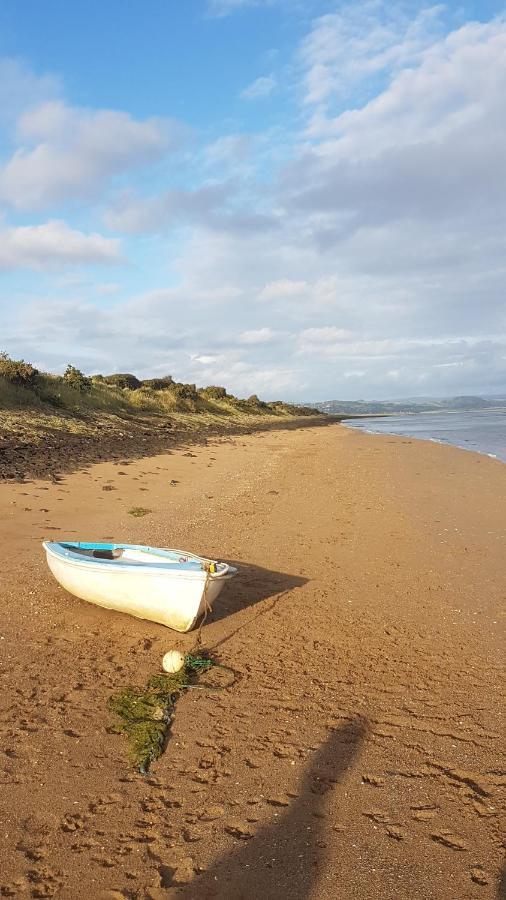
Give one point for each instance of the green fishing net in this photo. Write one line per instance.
(144, 714)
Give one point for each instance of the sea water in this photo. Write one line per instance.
(483, 431)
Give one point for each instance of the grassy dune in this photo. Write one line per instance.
(24, 387)
(103, 414)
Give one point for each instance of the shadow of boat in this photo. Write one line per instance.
(252, 585)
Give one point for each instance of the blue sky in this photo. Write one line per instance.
(299, 199)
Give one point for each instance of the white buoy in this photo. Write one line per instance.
(173, 661)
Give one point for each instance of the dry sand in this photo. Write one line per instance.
(358, 753)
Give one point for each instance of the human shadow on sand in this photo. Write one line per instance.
(502, 883)
(252, 585)
(285, 858)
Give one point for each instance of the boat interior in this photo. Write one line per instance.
(136, 555)
(117, 553)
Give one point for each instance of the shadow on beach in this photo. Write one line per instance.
(502, 883)
(284, 858)
(252, 585)
(45, 450)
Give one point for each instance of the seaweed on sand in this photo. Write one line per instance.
(145, 714)
(139, 511)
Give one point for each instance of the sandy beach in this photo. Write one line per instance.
(358, 753)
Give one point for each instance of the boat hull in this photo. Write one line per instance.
(176, 602)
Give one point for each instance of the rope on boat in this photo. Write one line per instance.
(207, 609)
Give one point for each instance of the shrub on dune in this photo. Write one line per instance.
(123, 380)
(76, 380)
(18, 372)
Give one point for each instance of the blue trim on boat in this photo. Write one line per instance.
(168, 560)
(93, 545)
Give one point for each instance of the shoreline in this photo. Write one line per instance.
(431, 440)
(358, 753)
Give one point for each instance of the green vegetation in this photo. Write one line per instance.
(70, 420)
(76, 380)
(139, 511)
(121, 380)
(124, 395)
(18, 372)
(144, 714)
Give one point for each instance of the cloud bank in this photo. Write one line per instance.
(52, 245)
(358, 253)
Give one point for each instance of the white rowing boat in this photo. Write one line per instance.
(171, 587)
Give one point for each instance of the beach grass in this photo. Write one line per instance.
(23, 387)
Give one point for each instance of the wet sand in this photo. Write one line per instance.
(358, 754)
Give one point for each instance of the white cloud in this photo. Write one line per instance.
(107, 288)
(261, 87)
(324, 291)
(231, 149)
(372, 261)
(421, 151)
(207, 360)
(244, 377)
(283, 289)
(355, 373)
(21, 87)
(457, 87)
(71, 152)
(135, 214)
(257, 336)
(362, 40)
(53, 244)
(211, 206)
(429, 350)
(142, 340)
(405, 196)
(313, 338)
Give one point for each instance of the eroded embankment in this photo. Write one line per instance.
(45, 446)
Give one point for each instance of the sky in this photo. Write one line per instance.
(302, 199)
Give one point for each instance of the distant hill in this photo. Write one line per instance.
(410, 405)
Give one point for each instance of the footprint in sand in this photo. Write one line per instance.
(16, 888)
(113, 894)
(392, 829)
(479, 876)
(33, 850)
(44, 882)
(193, 833)
(374, 780)
(176, 872)
(88, 843)
(394, 832)
(448, 839)
(424, 815)
(72, 822)
(239, 830)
